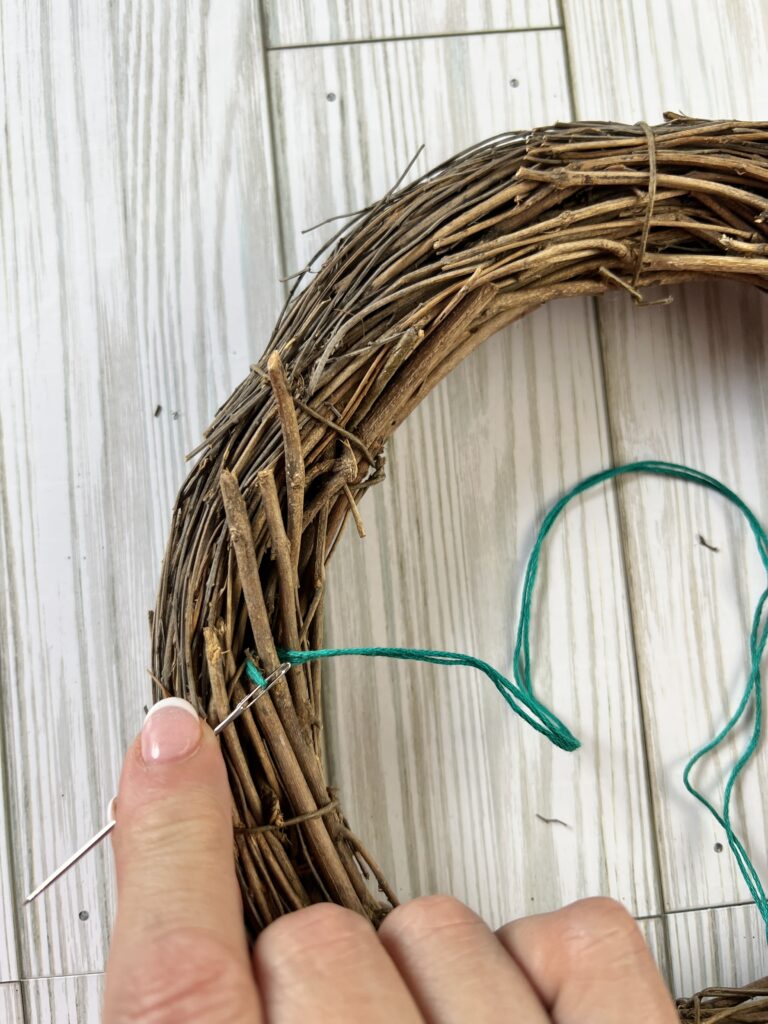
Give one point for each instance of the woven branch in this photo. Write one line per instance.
(748, 1005)
(409, 287)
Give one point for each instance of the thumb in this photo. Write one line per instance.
(178, 947)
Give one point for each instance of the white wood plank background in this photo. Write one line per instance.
(145, 217)
(633, 59)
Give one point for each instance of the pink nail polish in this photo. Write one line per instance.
(171, 731)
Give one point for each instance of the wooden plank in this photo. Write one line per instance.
(687, 383)
(293, 23)
(721, 946)
(655, 934)
(11, 1006)
(65, 1000)
(139, 264)
(633, 59)
(9, 959)
(437, 775)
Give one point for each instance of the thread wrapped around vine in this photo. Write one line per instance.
(408, 289)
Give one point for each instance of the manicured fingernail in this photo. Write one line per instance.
(171, 731)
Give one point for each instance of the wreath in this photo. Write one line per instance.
(407, 290)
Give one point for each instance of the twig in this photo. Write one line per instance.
(297, 763)
(290, 822)
(214, 659)
(652, 183)
(605, 272)
(338, 429)
(294, 460)
(358, 846)
(355, 511)
(242, 541)
(286, 586)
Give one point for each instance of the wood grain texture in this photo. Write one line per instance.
(460, 782)
(11, 1006)
(633, 59)
(654, 932)
(695, 949)
(297, 23)
(686, 382)
(139, 280)
(721, 946)
(65, 1000)
(9, 959)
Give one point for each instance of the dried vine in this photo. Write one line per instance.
(748, 1005)
(408, 289)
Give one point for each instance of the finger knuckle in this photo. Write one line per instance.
(188, 975)
(601, 913)
(427, 914)
(323, 930)
(599, 926)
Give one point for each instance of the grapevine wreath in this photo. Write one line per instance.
(407, 290)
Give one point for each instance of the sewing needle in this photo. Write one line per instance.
(248, 700)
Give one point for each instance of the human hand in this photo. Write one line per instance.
(179, 951)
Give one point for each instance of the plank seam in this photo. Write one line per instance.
(620, 519)
(624, 560)
(54, 977)
(265, 70)
(567, 58)
(6, 606)
(408, 39)
(697, 910)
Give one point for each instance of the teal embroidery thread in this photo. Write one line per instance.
(520, 696)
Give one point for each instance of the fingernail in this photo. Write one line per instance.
(171, 731)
